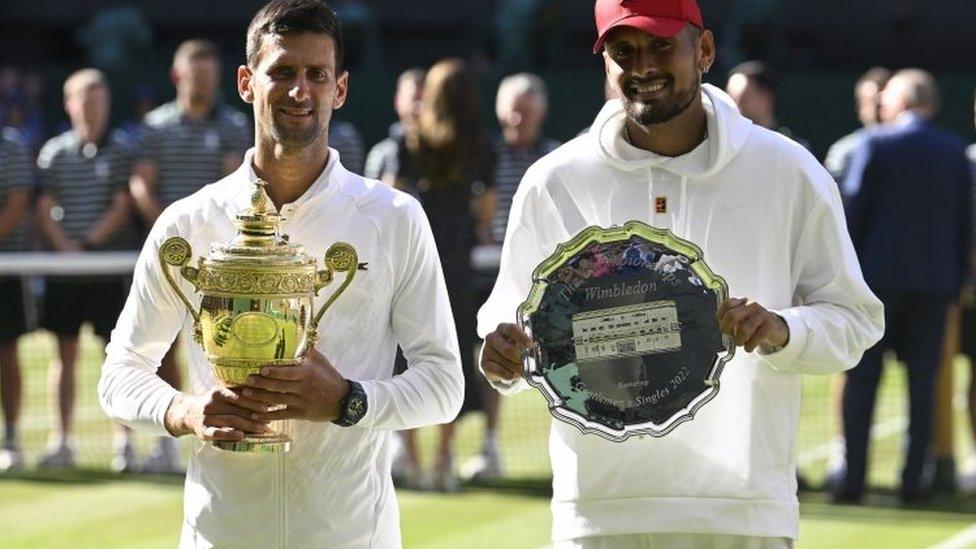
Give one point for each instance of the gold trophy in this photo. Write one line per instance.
(258, 294)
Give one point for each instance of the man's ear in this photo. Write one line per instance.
(342, 89)
(706, 50)
(244, 76)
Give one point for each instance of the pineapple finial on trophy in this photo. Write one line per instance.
(260, 198)
(257, 225)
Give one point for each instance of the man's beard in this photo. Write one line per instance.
(296, 138)
(647, 114)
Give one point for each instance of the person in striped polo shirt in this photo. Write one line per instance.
(187, 143)
(383, 159)
(192, 140)
(521, 106)
(16, 180)
(84, 204)
(345, 139)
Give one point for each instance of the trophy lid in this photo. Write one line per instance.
(258, 237)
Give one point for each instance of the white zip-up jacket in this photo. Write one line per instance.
(333, 489)
(769, 220)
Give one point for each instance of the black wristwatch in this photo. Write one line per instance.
(353, 407)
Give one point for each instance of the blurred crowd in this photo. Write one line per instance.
(905, 183)
(907, 190)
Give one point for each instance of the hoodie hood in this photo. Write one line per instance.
(728, 131)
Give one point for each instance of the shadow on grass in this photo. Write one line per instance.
(884, 505)
(88, 476)
(541, 488)
(526, 487)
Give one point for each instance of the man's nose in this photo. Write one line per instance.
(299, 90)
(645, 62)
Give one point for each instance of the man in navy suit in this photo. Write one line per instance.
(909, 210)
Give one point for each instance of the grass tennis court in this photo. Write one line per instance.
(93, 508)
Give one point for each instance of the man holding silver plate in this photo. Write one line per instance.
(677, 404)
(293, 399)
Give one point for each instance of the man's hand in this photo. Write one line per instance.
(142, 187)
(313, 390)
(751, 325)
(220, 414)
(501, 359)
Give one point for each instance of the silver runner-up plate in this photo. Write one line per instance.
(626, 337)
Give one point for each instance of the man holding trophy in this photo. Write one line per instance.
(626, 330)
(292, 446)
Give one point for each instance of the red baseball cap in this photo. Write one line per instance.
(664, 18)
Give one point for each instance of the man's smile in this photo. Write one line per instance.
(296, 112)
(648, 90)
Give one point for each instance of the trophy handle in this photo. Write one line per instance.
(176, 252)
(340, 257)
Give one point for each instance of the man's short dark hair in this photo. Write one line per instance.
(758, 73)
(283, 17)
(195, 49)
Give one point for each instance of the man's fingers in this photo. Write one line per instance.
(504, 353)
(221, 405)
(496, 372)
(235, 422)
(747, 326)
(750, 324)
(512, 366)
(235, 398)
(730, 319)
(759, 336)
(285, 373)
(272, 397)
(514, 334)
(728, 305)
(269, 384)
(497, 344)
(221, 433)
(287, 413)
(735, 321)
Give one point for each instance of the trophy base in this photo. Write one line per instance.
(268, 443)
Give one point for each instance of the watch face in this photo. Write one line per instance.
(357, 406)
(354, 406)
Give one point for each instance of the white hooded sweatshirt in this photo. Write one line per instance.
(769, 220)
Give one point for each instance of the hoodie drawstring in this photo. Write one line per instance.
(651, 199)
